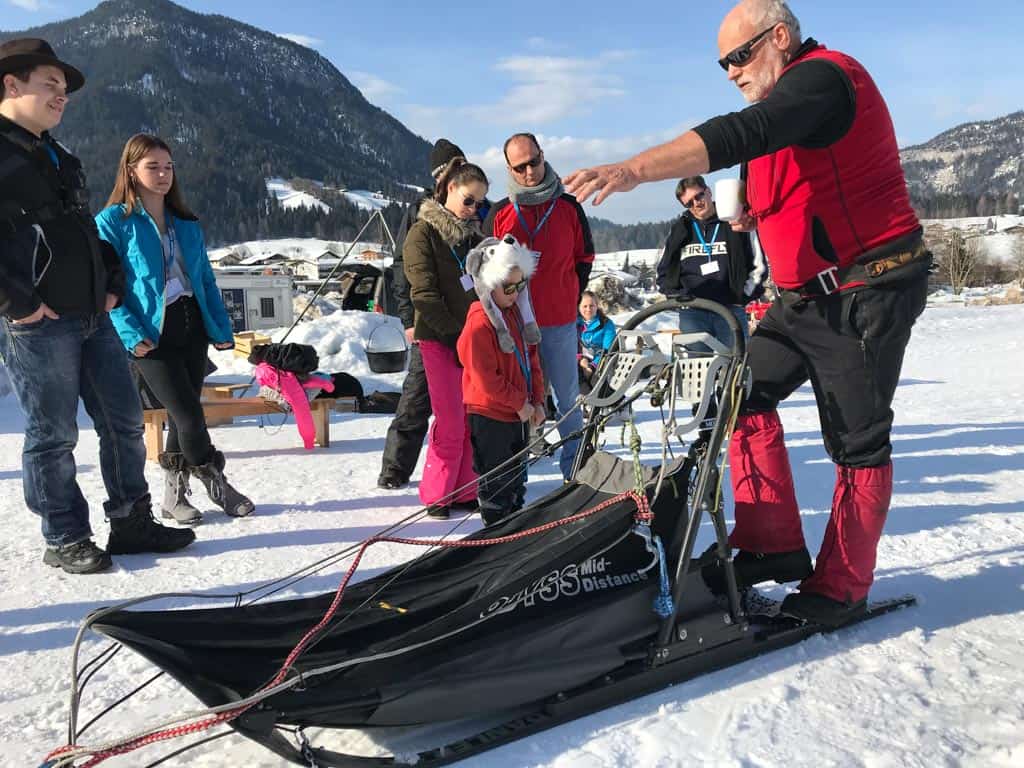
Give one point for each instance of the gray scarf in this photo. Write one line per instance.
(550, 187)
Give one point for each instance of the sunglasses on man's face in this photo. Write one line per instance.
(533, 162)
(472, 202)
(739, 57)
(514, 288)
(688, 204)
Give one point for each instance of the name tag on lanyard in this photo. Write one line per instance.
(465, 280)
(709, 267)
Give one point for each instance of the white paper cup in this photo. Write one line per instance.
(730, 198)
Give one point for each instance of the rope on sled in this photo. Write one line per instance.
(66, 755)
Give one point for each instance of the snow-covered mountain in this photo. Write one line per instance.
(981, 163)
(237, 104)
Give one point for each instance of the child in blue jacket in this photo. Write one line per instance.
(172, 311)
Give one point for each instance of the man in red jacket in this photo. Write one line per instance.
(826, 191)
(540, 215)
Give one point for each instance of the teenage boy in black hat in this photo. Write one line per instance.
(58, 281)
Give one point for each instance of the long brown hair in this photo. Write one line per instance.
(137, 147)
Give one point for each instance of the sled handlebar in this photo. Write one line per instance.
(738, 339)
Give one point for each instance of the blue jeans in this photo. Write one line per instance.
(53, 363)
(558, 347)
(697, 320)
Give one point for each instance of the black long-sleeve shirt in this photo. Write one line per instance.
(812, 105)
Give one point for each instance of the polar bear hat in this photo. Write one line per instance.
(489, 264)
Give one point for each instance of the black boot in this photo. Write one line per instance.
(176, 505)
(80, 557)
(439, 511)
(211, 474)
(818, 609)
(753, 568)
(139, 532)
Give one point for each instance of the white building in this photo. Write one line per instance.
(256, 301)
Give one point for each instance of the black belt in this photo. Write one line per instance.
(839, 279)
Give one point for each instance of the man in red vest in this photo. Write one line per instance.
(826, 192)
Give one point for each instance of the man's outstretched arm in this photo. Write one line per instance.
(683, 156)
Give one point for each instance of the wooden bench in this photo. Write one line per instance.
(221, 392)
(224, 409)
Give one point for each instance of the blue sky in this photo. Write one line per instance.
(600, 80)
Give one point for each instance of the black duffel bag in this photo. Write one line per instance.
(297, 358)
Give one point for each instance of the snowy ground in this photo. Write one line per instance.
(936, 685)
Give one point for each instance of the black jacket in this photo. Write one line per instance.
(50, 250)
(740, 280)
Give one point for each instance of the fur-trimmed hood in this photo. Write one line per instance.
(492, 260)
(452, 229)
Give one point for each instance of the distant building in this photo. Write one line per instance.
(256, 301)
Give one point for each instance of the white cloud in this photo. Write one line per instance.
(305, 40)
(549, 88)
(28, 5)
(374, 88)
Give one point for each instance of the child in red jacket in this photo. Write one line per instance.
(503, 391)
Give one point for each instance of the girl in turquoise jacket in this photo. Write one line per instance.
(172, 310)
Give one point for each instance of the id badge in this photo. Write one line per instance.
(467, 282)
(709, 268)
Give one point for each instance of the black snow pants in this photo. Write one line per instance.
(495, 442)
(850, 346)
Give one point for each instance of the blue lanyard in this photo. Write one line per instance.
(169, 259)
(520, 358)
(706, 243)
(462, 262)
(531, 234)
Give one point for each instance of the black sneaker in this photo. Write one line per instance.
(753, 568)
(438, 511)
(818, 609)
(464, 506)
(391, 482)
(80, 557)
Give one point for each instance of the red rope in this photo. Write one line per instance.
(643, 515)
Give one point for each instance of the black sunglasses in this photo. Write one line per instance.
(693, 201)
(739, 57)
(533, 162)
(472, 202)
(514, 288)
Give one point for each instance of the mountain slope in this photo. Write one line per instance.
(237, 103)
(980, 164)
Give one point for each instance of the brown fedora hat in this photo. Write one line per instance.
(28, 52)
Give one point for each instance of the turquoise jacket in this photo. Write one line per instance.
(137, 241)
(596, 336)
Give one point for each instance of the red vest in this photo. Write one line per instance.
(821, 208)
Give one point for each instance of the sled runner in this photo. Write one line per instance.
(586, 598)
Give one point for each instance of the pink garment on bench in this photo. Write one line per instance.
(293, 390)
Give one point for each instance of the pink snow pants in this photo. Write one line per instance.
(449, 463)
